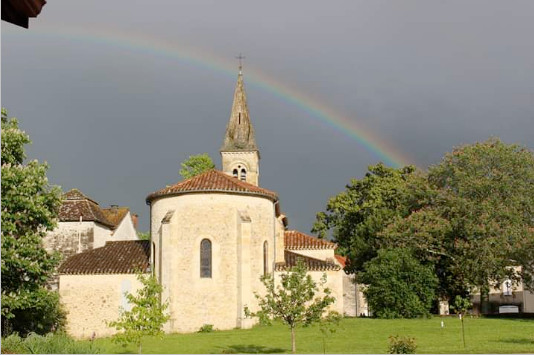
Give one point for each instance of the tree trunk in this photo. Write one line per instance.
(463, 330)
(293, 343)
(484, 299)
(140, 350)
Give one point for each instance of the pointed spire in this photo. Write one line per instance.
(239, 131)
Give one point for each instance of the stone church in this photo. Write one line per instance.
(212, 237)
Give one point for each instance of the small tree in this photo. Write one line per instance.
(328, 325)
(196, 165)
(147, 315)
(293, 301)
(460, 306)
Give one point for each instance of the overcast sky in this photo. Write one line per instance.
(115, 94)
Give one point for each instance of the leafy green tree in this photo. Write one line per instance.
(365, 208)
(143, 235)
(479, 220)
(29, 209)
(195, 165)
(146, 317)
(398, 285)
(293, 301)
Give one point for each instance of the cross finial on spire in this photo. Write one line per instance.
(240, 57)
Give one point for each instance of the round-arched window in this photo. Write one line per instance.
(205, 258)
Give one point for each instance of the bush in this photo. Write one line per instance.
(47, 315)
(206, 328)
(52, 343)
(401, 345)
(399, 286)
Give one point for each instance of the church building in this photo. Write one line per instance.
(212, 237)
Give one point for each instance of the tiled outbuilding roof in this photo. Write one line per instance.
(212, 181)
(312, 264)
(295, 240)
(115, 214)
(341, 260)
(119, 257)
(76, 204)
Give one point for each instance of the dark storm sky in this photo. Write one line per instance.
(116, 121)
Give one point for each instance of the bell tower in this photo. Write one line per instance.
(239, 152)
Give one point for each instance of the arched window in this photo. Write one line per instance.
(243, 175)
(205, 258)
(153, 258)
(265, 258)
(235, 173)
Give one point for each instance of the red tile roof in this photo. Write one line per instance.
(115, 214)
(76, 204)
(295, 240)
(312, 264)
(120, 257)
(212, 181)
(341, 259)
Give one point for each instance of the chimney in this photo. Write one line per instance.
(135, 220)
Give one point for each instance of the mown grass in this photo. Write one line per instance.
(354, 335)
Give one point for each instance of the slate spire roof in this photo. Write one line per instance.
(239, 131)
(213, 181)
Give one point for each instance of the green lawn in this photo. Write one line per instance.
(354, 335)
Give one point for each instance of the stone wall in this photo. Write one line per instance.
(249, 160)
(93, 300)
(237, 227)
(70, 238)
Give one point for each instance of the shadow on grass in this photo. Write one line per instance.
(517, 341)
(250, 349)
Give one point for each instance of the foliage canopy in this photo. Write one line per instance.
(29, 209)
(196, 165)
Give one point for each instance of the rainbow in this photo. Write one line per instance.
(201, 58)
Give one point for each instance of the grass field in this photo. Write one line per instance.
(354, 335)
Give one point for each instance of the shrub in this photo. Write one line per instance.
(52, 343)
(401, 345)
(399, 286)
(206, 328)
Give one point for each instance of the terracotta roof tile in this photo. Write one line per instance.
(212, 181)
(76, 204)
(115, 214)
(119, 257)
(312, 264)
(295, 240)
(341, 260)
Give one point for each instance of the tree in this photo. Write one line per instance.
(460, 306)
(366, 207)
(398, 285)
(147, 315)
(479, 222)
(195, 165)
(29, 209)
(143, 235)
(293, 301)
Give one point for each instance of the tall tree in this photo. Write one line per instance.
(195, 165)
(29, 209)
(356, 215)
(293, 301)
(479, 223)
